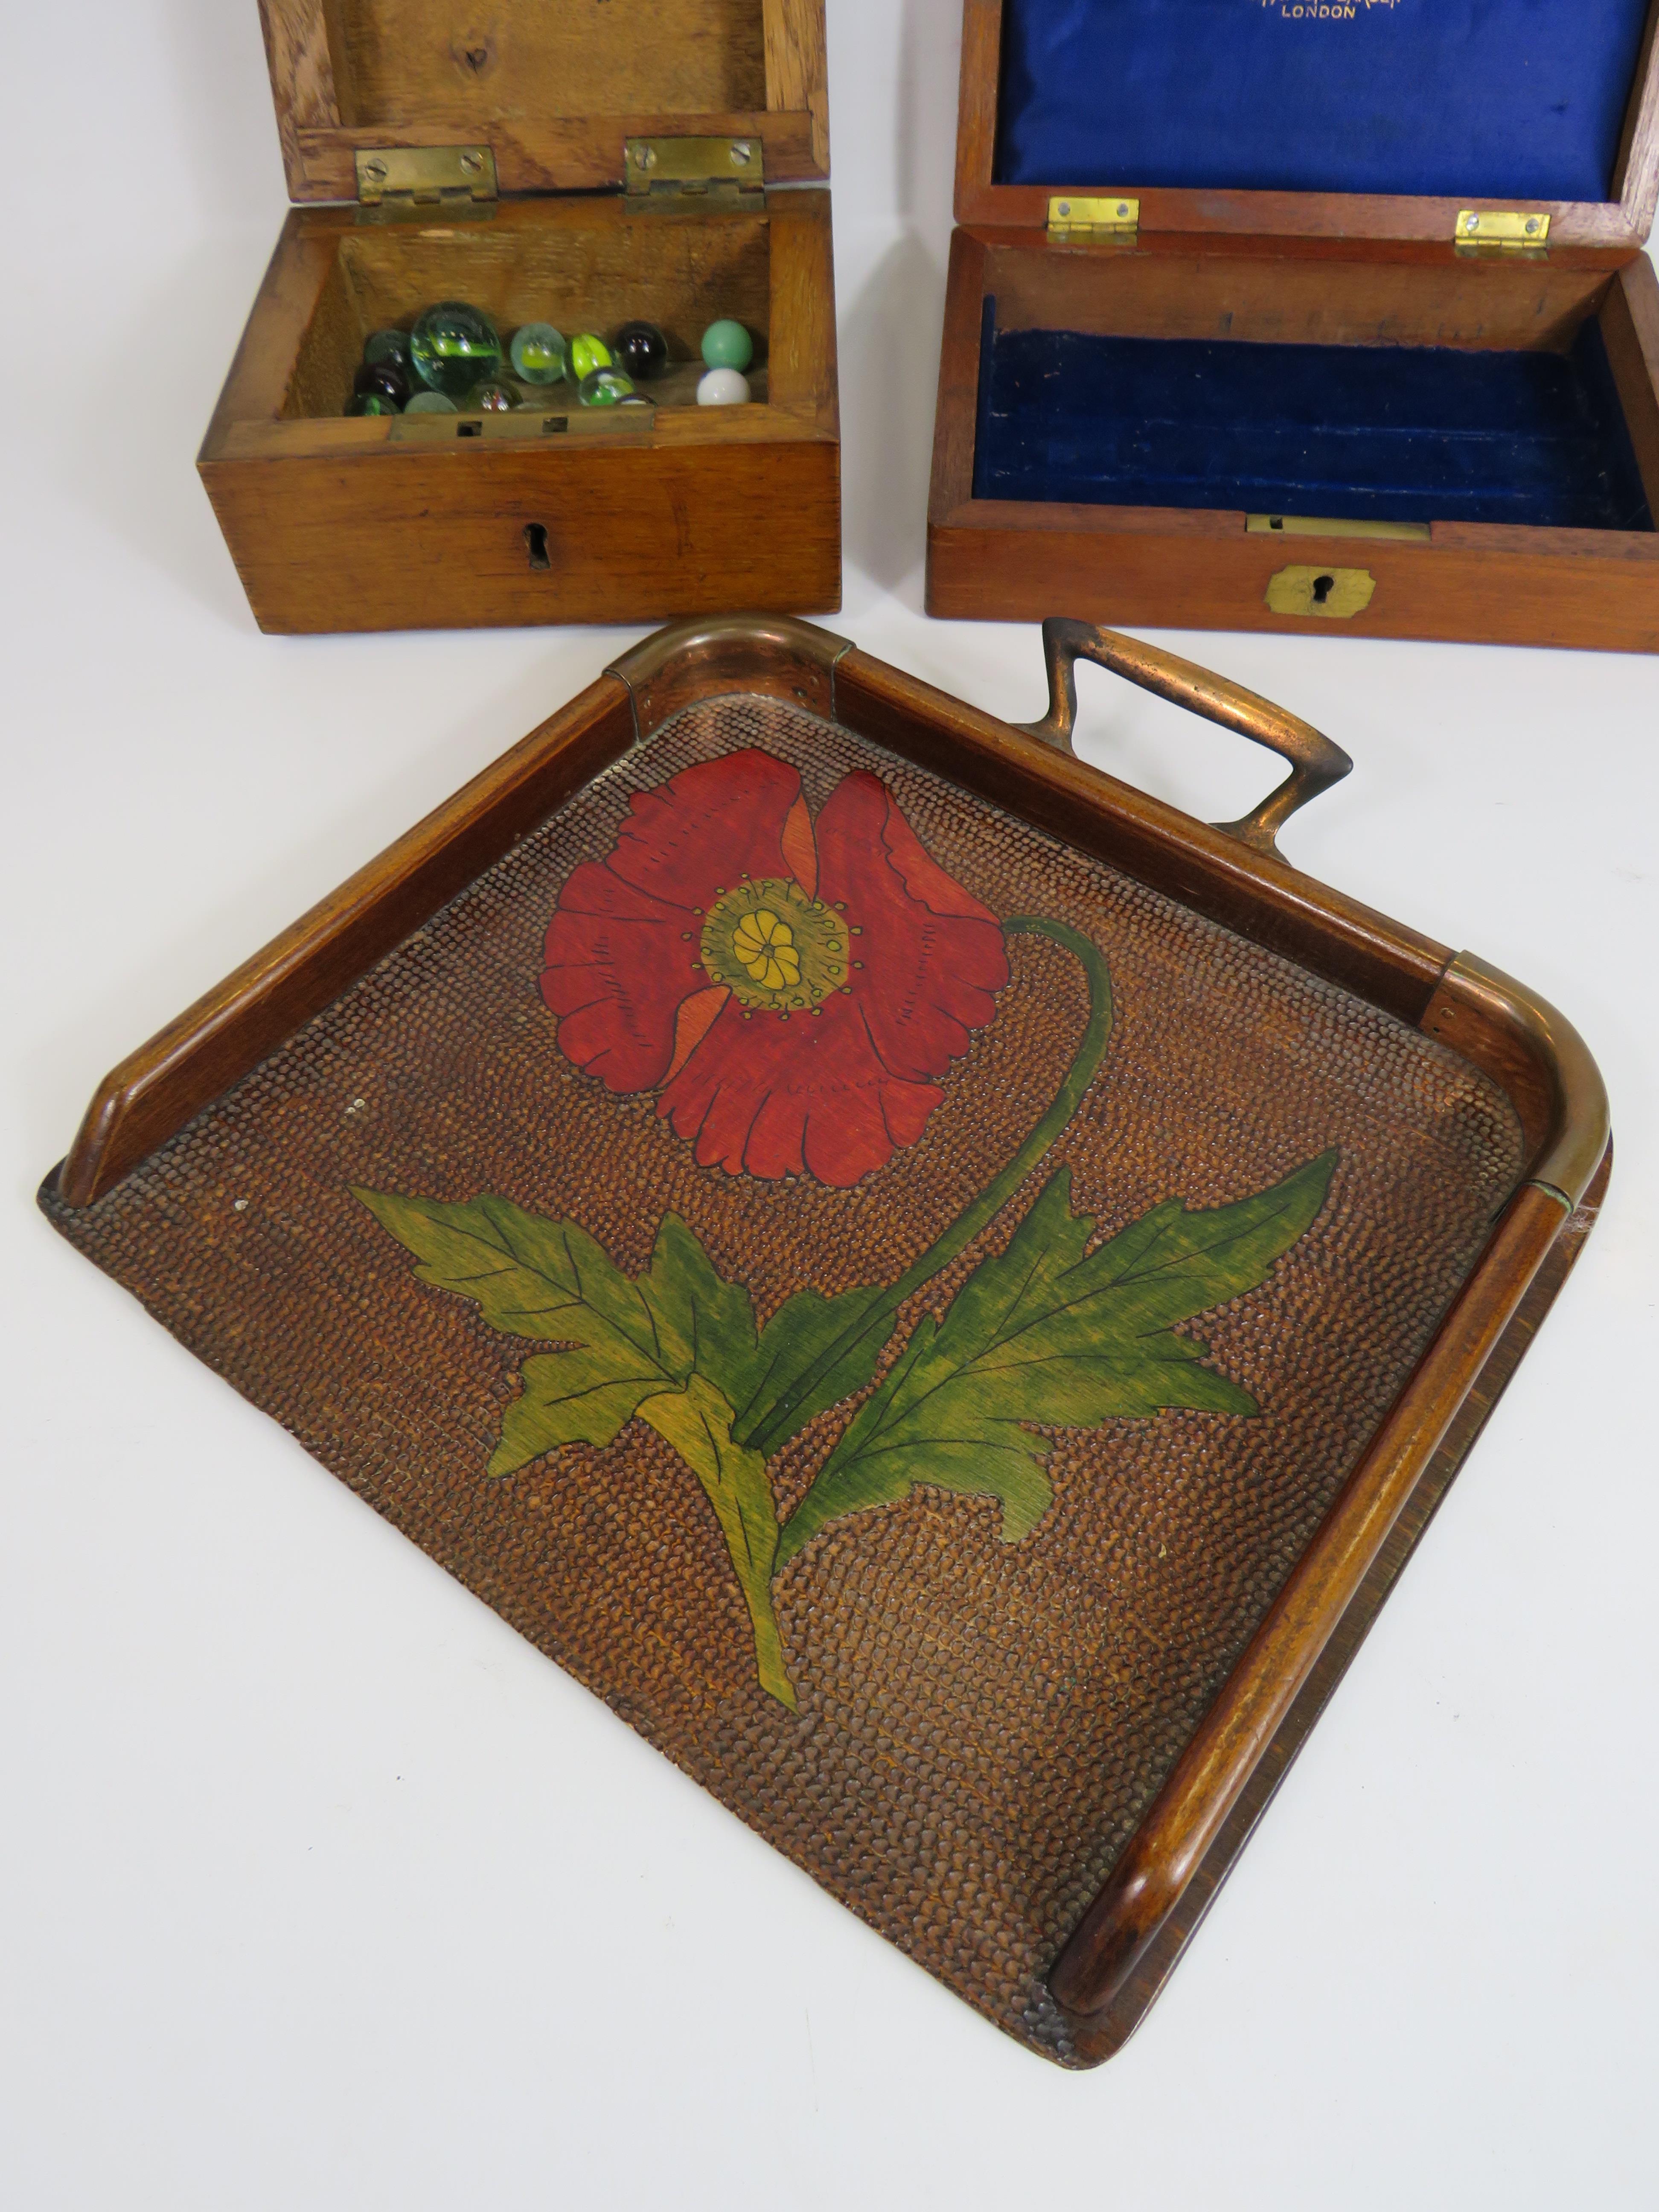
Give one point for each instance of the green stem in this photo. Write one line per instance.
(996, 1193)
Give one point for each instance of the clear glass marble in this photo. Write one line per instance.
(454, 347)
(537, 353)
(432, 403)
(489, 398)
(604, 387)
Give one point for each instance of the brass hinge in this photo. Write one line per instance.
(1075, 219)
(692, 175)
(424, 176)
(1504, 230)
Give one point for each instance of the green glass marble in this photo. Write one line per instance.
(454, 347)
(371, 403)
(489, 398)
(727, 344)
(537, 353)
(432, 403)
(604, 387)
(587, 353)
(389, 345)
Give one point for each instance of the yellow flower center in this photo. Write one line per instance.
(773, 948)
(766, 947)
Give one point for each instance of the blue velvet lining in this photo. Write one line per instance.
(1396, 433)
(1482, 98)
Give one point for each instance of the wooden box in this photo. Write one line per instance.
(1008, 1360)
(1074, 462)
(428, 160)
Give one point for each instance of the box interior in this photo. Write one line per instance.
(1365, 391)
(1489, 99)
(681, 273)
(407, 62)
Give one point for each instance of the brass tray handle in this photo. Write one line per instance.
(1315, 763)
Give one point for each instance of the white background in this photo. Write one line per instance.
(318, 1887)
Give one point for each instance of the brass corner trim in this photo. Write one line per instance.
(1533, 1051)
(704, 655)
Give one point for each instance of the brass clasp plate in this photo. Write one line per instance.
(1336, 594)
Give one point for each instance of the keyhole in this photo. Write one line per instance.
(1324, 587)
(534, 538)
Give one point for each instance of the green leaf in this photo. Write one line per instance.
(698, 1422)
(703, 1324)
(783, 1394)
(1047, 1332)
(529, 1276)
(587, 1395)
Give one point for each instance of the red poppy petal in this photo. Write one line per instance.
(619, 962)
(771, 1098)
(708, 826)
(932, 958)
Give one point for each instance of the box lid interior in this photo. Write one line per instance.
(1480, 100)
(551, 87)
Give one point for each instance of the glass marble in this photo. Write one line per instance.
(537, 353)
(604, 387)
(371, 403)
(490, 398)
(432, 403)
(587, 353)
(384, 377)
(453, 346)
(727, 344)
(390, 346)
(723, 387)
(642, 349)
(635, 399)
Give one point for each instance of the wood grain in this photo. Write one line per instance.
(196, 1059)
(338, 523)
(1629, 319)
(553, 92)
(797, 69)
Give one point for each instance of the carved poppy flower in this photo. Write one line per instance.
(792, 991)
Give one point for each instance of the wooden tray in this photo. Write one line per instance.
(943, 1289)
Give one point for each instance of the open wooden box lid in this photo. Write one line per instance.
(1281, 119)
(549, 93)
